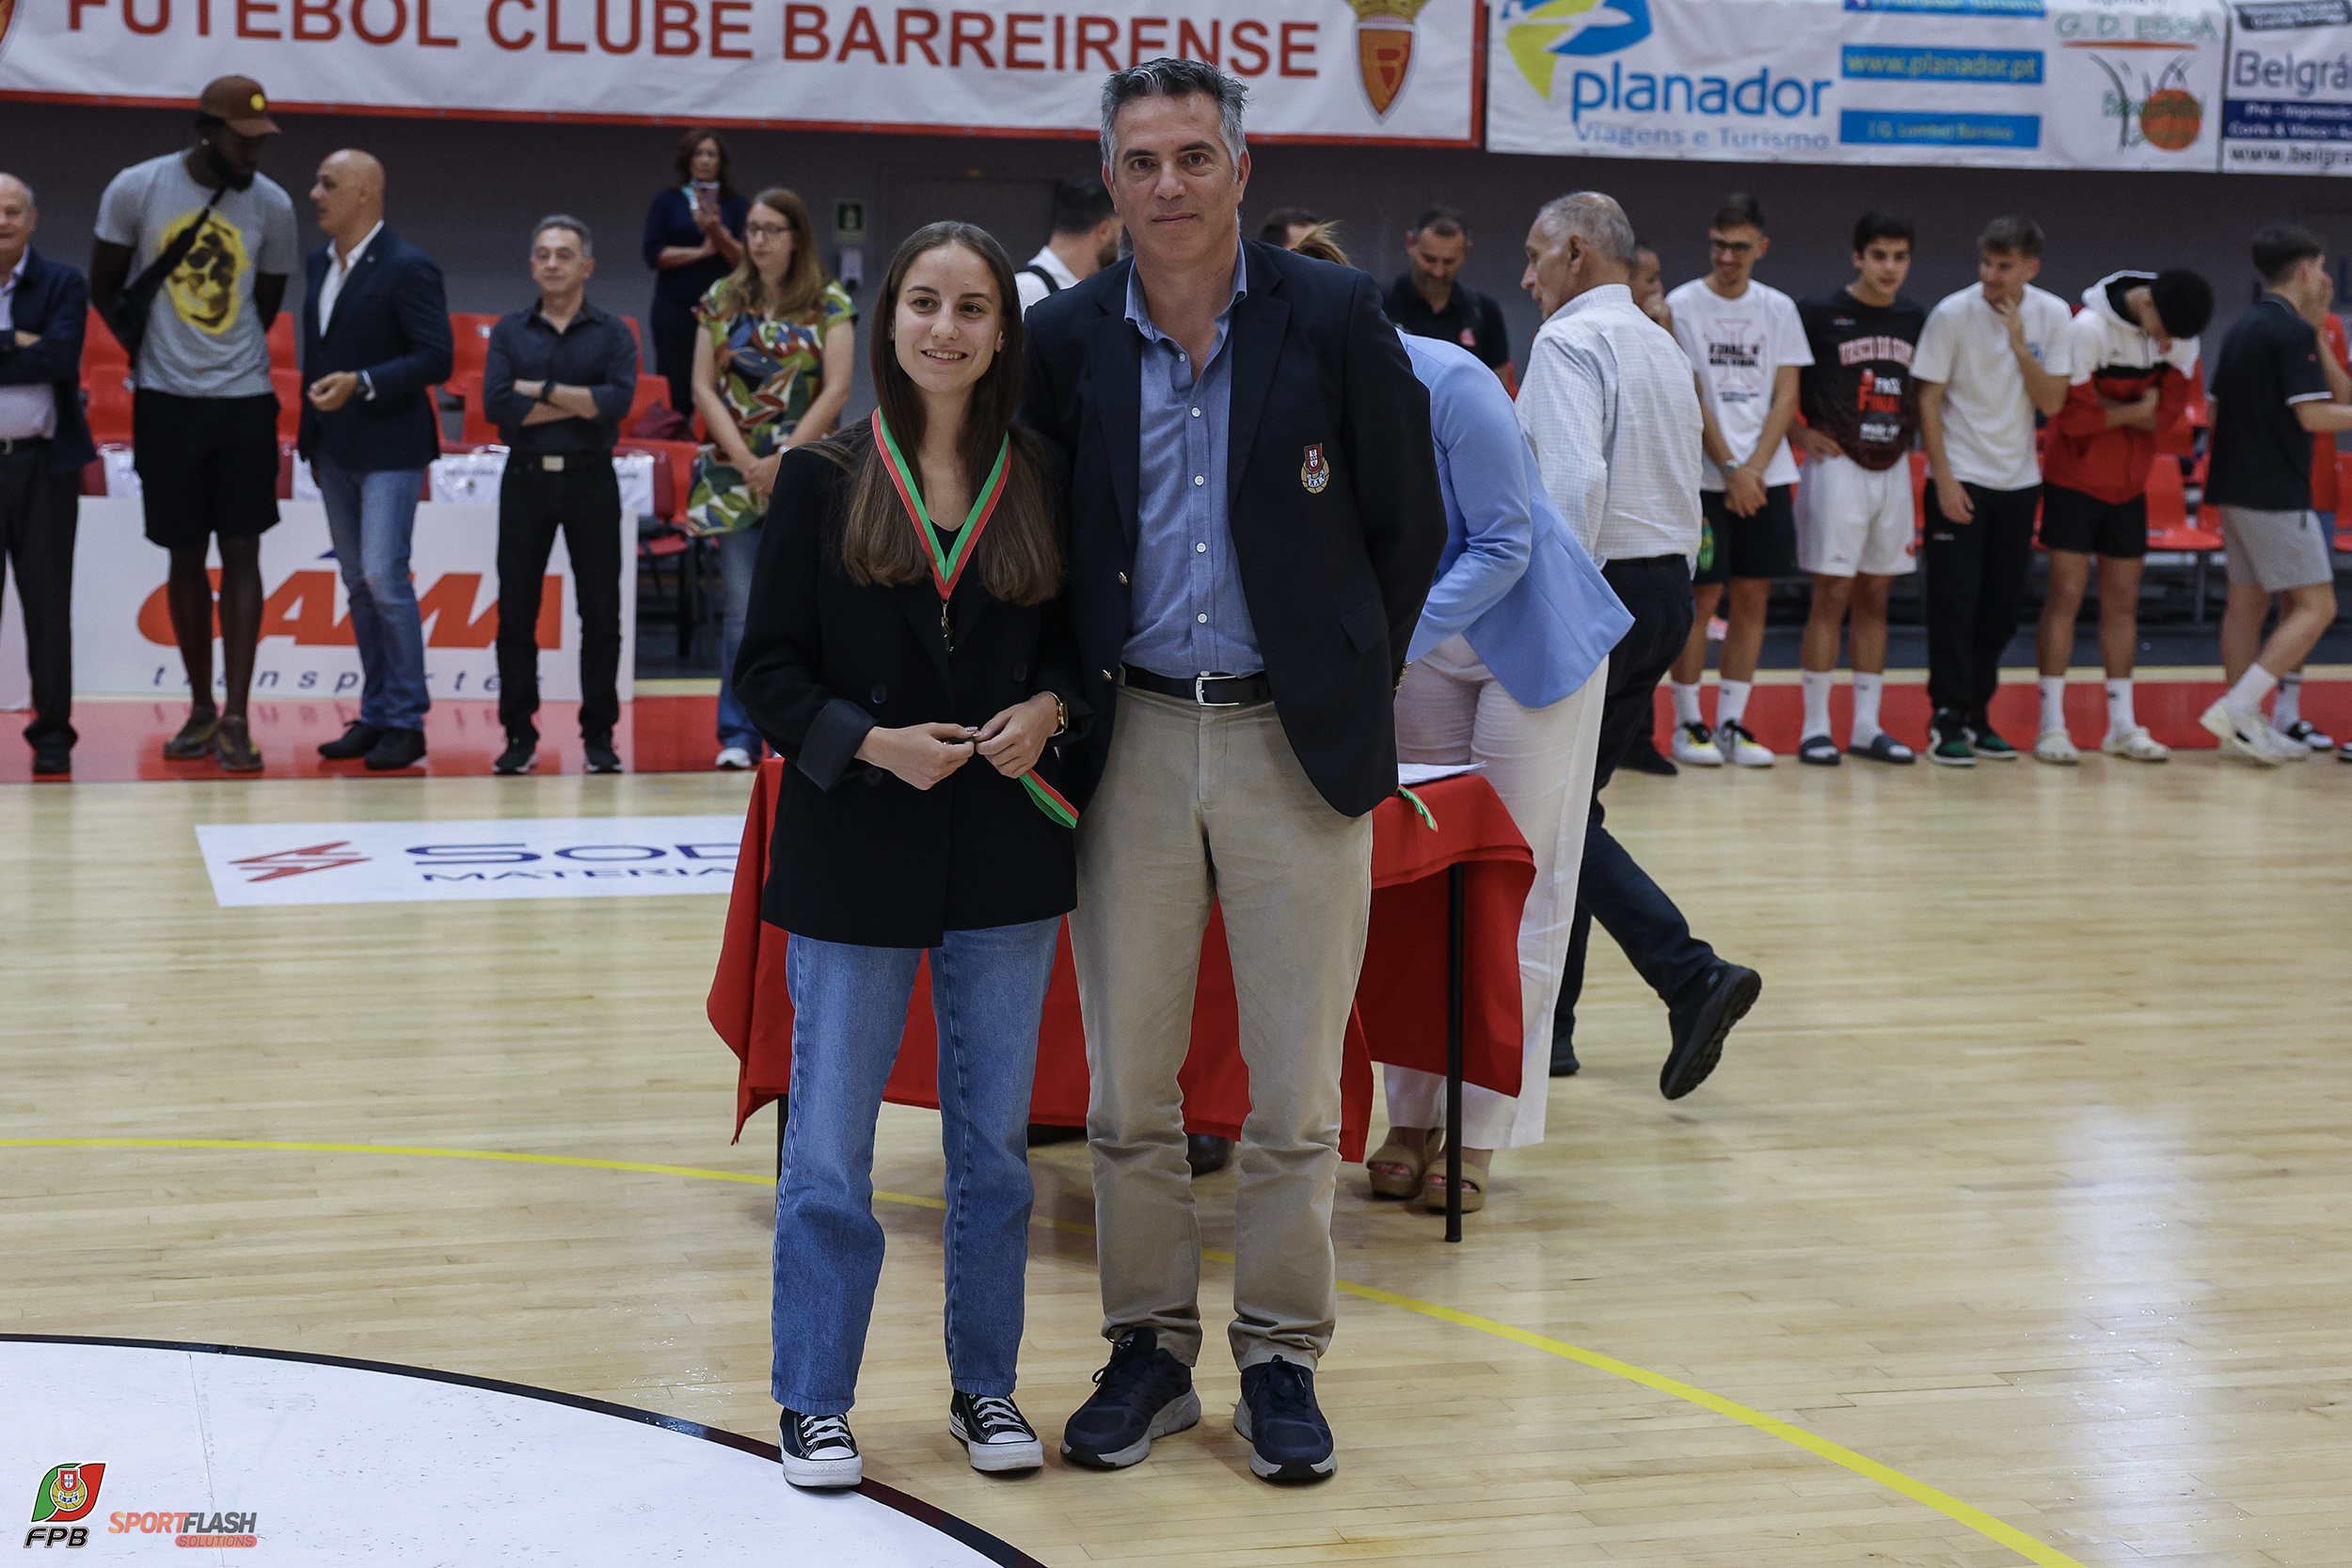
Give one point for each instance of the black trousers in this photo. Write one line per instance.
(38, 514)
(1612, 888)
(1975, 584)
(582, 501)
(673, 327)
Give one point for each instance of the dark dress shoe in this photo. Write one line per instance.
(1641, 756)
(1043, 1133)
(1701, 1015)
(358, 740)
(1207, 1153)
(397, 749)
(1563, 1062)
(600, 755)
(52, 758)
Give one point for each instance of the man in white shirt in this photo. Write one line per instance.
(1084, 241)
(1609, 408)
(1748, 345)
(1989, 358)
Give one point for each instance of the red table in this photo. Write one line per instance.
(1402, 998)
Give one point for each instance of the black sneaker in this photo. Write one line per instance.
(994, 1433)
(1141, 1393)
(1288, 1439)
(819, 1450)
(1947, 741)
(398, 749)
(521, 754)
(1701, 1015)
(1563, 1062)
(358, 740)
(52, 759)
(1986, 743)
(602, 757)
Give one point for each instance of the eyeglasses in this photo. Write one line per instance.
(766, 231)
(1729, 248)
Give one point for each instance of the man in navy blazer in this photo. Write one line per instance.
(1254, 521)
(45, 444)
(374, 342)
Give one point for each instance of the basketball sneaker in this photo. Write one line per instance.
(1737, 745)
(2305, 734)
(2137, 745)
(1142, 1393)
(2247, 738)
(1694, 745)
(1288, 1439)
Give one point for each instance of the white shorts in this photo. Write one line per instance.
(1851, 519)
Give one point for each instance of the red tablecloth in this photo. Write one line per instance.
(1399, 999)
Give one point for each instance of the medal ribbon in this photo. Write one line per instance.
(947, 569)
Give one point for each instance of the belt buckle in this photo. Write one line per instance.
(1200, 691)
(553, 464)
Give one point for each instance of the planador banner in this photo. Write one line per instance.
(1318, 70)
(2015, 83)
(2289, 103)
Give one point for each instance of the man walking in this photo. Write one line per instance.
(1854, 522)
(559, 378)
(1430, 300)
(1255, 521)
(1989, 358)
(1615, 418)
(374, 342)
(2134, 348)
(45, 444)
(1748, 345)
(1084, 242)
(204, 418)
(2270, 395)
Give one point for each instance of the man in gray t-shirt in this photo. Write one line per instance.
(204, 420)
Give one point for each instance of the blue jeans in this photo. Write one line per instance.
(739, 552)
(369, 517)
(988, 993)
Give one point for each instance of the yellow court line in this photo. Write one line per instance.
(1895, 1480)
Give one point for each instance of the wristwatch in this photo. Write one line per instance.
(546, 391)
(1061, 714)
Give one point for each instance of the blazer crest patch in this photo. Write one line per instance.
(1315, 474)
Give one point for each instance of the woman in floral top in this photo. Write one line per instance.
(773, 367)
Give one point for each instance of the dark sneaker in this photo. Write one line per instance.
(1701, 1015)
(398, 749)
(234, 745)
(358, 740)
(1141, 1393)
(602, 757)
(1986, 743)
(1288, 1439)
(1206, 1154)
(196, 738)
(521, 753)
(1948, 743)
(994, 1433)
(1563, 1062)
(1818, 750)
(819, 1450)
(53, 757)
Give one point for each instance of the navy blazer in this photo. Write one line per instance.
(391, 321)
(1335, 576)
(52, 300)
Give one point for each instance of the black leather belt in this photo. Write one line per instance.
(11, 445)
(1207, 690)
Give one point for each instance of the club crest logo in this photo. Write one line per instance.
(1384, 48)
(1315, 473)
(66, 1492)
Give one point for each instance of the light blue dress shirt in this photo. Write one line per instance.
(1513, 581)
(1186, 616)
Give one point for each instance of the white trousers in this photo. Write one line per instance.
(1540, 761)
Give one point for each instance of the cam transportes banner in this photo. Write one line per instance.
(1317, 69)
(2288, 109)
(2014, 83)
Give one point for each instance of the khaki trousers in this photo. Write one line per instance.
(1200, 804)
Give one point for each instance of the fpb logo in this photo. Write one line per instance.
(66, 1494)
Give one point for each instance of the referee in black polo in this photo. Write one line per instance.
(1432, 301)
(557, 380)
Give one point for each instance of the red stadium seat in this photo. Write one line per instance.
(283, 355)
(2168, 524)
(110, 408)
(98, 348)
(287, 384)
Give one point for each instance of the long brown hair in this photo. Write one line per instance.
(1020, 558)
(744, 293)
(684, 163)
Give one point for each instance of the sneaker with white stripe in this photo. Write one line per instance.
(994, 1433)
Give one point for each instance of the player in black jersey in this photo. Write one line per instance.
(1855, 516)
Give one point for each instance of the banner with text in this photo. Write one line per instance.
(1317, 69)
(400, 863)
(2288, 107)
(2016, 83)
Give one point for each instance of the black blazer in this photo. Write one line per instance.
(859, 855)
(1334, 580)
(391, 321)
(53, 302)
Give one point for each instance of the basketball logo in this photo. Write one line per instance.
(2171, 118)
(66, 1492)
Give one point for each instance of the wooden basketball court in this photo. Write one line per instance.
(2001, 1234)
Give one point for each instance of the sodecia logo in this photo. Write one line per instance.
(279, 863)
(65, 1495)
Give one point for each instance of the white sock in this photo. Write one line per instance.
(1686, 702)
(1731, 703)
(2120, 719)
(1866, 706)
(1817, 684)
(2053, 702)
(2246, 697)
(2289, 708)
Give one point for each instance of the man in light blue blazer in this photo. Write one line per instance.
(1509, 667)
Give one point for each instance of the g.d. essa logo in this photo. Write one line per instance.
(1384, 47)
(1538, 32)
(65, 1495)
(279, 863)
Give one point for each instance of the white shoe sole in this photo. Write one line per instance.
(999, 1456)
(824, 1474)
(2136, 756)
(1710, 758)
(1750, 759)
(517, 772)
(1177, 1414)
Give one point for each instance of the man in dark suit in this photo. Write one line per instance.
(45, 444)
(374, 342)
(1255, 521)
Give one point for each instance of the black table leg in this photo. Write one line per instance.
(1454, 1053)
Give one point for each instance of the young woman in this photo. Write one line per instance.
(693, 238)
(773, 367)
(907, 651)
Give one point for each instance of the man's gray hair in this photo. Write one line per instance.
(1165, 78)
(30, 199)
(1596, 219)
(565, 220)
